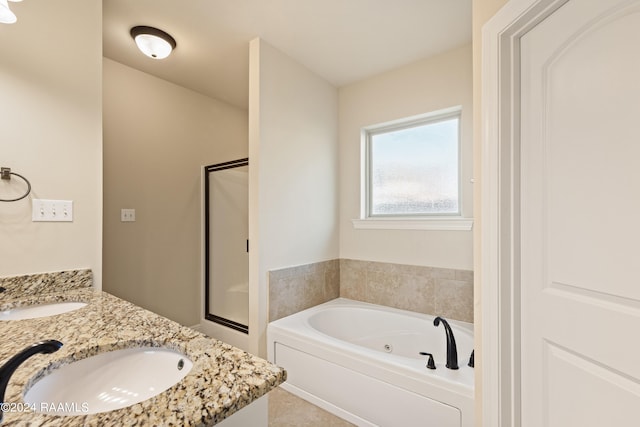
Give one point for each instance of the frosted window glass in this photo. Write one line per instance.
(414, 170)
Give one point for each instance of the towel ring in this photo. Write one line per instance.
(5, 173)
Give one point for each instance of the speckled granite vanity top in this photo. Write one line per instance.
(223, 379)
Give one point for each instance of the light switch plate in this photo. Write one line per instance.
(44, 210)
(127, 215)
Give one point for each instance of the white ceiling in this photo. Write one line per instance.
(341, 40)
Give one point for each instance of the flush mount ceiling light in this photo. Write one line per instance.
(152, 42)
(6, 16)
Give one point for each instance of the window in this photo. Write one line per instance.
(412, 167)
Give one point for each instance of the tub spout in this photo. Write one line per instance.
(12, 364)
(452, 350)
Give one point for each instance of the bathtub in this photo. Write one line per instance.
(360, 362)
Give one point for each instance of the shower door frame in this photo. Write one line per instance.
(207, 271)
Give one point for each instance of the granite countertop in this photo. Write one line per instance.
(223, 379)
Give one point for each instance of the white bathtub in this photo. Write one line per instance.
(360, 361)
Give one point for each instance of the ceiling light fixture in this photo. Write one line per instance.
(6, 15)
(152, 42)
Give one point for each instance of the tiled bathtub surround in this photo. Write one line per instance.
(44, 283)
(296, 288)
(437, 291)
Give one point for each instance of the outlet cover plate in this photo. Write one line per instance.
(127, 215)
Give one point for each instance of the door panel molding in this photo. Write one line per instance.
(606, 300)
(591, 382)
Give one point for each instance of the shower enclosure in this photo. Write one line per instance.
(226, 188)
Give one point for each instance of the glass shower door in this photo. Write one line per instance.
(227, 244)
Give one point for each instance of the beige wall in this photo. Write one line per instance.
(157, 135)
(428, 85)
(483, 10)
(293, 178)
(50, 132)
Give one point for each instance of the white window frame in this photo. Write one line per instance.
(444, 221)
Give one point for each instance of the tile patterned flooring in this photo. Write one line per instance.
(288, 410)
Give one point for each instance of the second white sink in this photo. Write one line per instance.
(41, 310)
(108, 381)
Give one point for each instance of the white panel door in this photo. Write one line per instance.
(580, 216)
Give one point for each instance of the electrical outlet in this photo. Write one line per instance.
(127, 215)
(52, 210)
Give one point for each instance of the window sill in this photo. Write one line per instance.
(445, 224)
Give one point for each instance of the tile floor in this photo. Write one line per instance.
(288, 410)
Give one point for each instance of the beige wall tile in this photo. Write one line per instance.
(297, 288)
(429, 290)
(436, 291)
(353, 279)
(454, 299)
(332, 280)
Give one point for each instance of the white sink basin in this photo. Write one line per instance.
(41, 310)
(108, 381)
